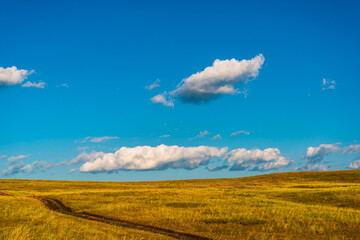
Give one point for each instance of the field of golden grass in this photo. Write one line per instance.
(299, 205)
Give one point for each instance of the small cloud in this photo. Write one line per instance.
(202, 134)
(73, 170)
(34, 84)
(165, 136)
(240, 132)
(2, 157)
(65, 85)
(216, 137)
(308, 167)
(95, 139)
(217, 168)
(355, 164)
(19, 157)
(81, 149)
(154, 85)
(328, 84)
(102, 139)
(161, 98)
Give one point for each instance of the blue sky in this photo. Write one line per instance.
(92, 61)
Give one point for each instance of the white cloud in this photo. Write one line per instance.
(355, 164)
(240, 132)
(19, 157)
(96, 139)
(81, 149)
(3, 156)
(154, 85)
(34, 84)
(256, 159)
(202, 134)
(101, 139)
(161, 98)
(83, 157)
(328, 84)
(65, 85)
(217, 136)
(308, 167)
(150, 158)
(351, 149)
(16, 165)
(12, 76)
(217, 80)
(317, 154)
(165, 136)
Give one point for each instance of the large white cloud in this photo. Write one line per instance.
(215, 81)
(12, 76)
(256, 159)
(150, 158)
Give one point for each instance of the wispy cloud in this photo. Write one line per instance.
(96, 139)
(19, 157)
(328, 84)
(240, 132)
(65, 85)
(156, 84)
(34, 84)
(202, 134)
(216, 137)
(16, 165)
(165, 136)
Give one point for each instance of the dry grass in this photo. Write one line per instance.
(306, 205)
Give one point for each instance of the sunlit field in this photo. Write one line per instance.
(301, 205)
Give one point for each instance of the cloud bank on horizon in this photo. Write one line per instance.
(163, 157)
(213, 82)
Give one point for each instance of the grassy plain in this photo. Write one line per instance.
(300, 205)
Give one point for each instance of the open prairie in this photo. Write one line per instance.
(295, 205)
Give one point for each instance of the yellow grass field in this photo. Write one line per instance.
(299, 205)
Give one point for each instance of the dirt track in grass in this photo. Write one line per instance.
(58, 206)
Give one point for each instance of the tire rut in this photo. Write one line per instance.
(4, 194)
(58, 206)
